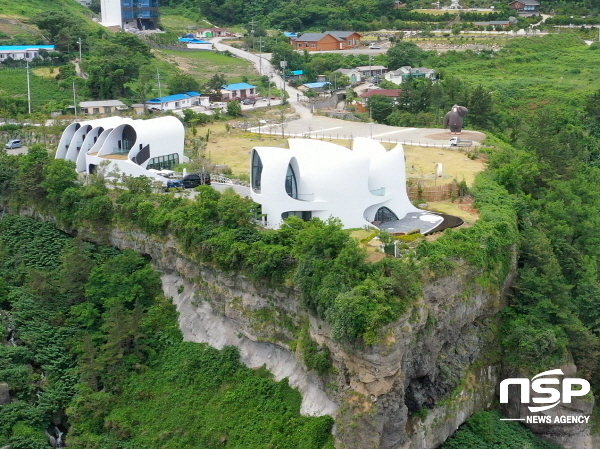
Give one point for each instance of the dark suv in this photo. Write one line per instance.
(195, 179)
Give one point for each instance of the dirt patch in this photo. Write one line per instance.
(475, 136)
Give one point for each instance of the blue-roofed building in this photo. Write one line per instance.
(290, 35)
(196, 44)
(178, 101)
(238, 91)
(26, 52)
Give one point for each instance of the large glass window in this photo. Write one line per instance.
(383, 214)
(257, 167)
(291, 186)
(166, 162)
(303, 214)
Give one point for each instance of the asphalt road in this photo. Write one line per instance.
(309, 125)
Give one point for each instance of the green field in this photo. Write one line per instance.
(45, 92)
(204, 64)
(529, 71)
(25, 10)
(179, 24)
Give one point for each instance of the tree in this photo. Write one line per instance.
(234, 109)
(404, 53)
(215, 84)
(480, 107)
(59, 175)
(380, 107)
(182, 83)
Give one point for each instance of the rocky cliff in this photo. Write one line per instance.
(411, 391)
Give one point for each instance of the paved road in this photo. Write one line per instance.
(320, 126)
(264, 67)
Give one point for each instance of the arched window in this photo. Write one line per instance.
(257, 167)
(291, 186)
(384, 214)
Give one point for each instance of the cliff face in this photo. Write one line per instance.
(375, 392)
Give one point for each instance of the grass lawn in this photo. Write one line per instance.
(204, 64)
(232, 148)
(421, 165)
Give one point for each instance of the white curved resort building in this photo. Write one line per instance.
(133, 146)
(313, 178)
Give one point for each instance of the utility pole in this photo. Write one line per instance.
(252, 23)
(28, 90)
(74, 100)
(79, 42)
(260, 55)
(159, 87)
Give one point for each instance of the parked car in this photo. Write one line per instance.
(173, 184)
(15, 143)
(375, 47)
(195, 179)
(248, 101)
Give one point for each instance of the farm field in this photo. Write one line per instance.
(44, 90)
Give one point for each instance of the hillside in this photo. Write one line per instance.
(25, 10)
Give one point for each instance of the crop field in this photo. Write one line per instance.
(43, 89)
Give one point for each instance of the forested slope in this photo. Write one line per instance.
(95, 351)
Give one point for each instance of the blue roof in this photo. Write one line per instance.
(288, 34)
(316, 85)
(239, 86)
(297, 72)
(25, 47)
(192, 40)
(174, 97)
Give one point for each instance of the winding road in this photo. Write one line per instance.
(309, 125)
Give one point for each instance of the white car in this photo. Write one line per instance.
(374, 47)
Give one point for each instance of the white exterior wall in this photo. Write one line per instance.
(200, 46)
(111, 12)
(20, 54)
(185, 103)
(334, 181)
(164, 135)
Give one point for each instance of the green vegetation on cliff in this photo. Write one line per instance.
(484, 430)
(358, 298)
(99, 352)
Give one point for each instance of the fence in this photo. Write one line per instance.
(274, 128)
(432, 193)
